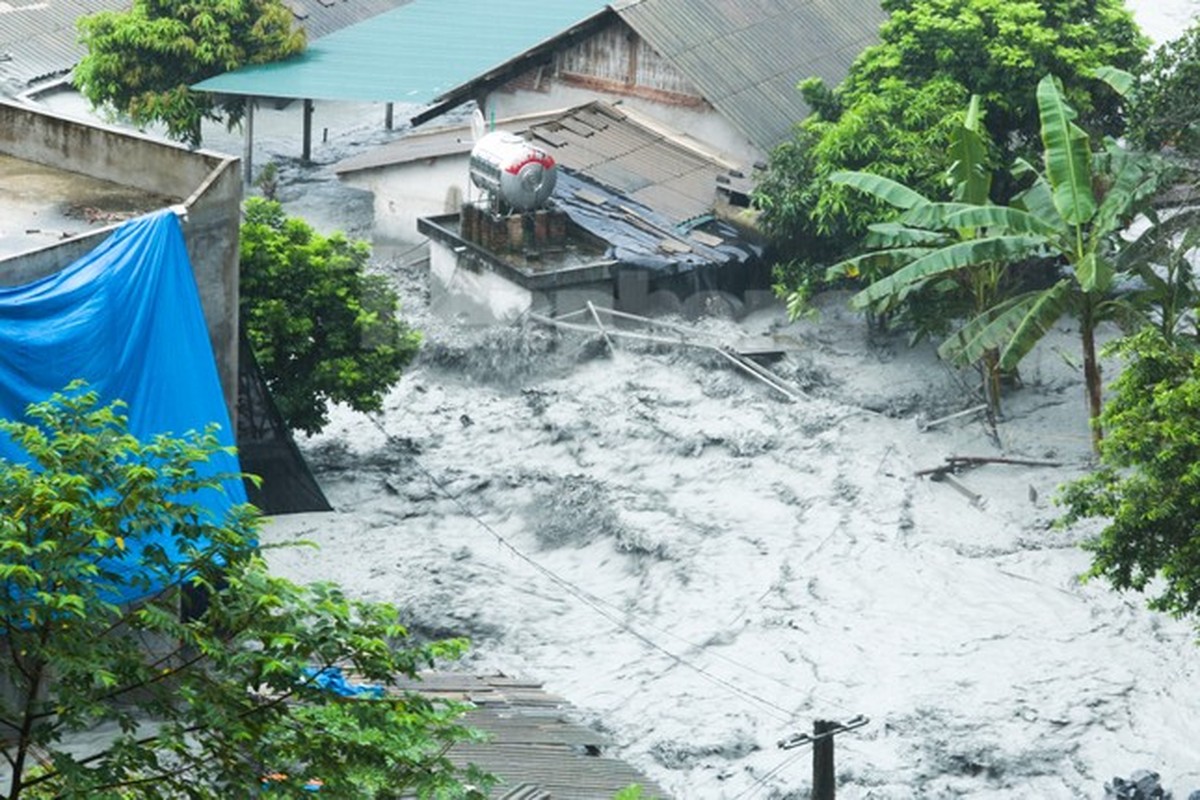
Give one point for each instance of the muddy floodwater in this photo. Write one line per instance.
(704, 567)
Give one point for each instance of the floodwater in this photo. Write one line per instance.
(703, 568)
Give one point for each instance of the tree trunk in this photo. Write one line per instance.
(991, 381)
(25, 732)
(1091, 376)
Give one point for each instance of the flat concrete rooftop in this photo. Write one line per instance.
(41, 205)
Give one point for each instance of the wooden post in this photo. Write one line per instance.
(387, 116)
(824, 785)
(306, 153)
(248, 155)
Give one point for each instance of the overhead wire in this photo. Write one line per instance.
(761, 782)
(597, 604)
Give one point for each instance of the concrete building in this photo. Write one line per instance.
(425, 173)
(638, 218)
(69, 184)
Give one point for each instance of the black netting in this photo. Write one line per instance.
(266, 447)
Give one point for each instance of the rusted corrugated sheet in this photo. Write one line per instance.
(746, 58)
(606, 146)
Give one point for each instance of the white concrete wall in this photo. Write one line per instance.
(405, 192)
(480, 298)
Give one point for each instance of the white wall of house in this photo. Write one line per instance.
(405, 192)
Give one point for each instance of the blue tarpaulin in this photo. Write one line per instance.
(127, 319)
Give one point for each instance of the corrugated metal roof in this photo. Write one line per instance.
(425, 143)
(650, 166)
(747, 57)
(657, 168)
(533, 739)
(319, 18)
(411, 54)
(39, 39)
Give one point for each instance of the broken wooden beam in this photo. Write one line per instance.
(956, 463)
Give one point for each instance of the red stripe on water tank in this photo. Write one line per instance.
(515, 168)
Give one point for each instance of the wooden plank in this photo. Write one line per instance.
(706, 239)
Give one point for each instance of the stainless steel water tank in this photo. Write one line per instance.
(513, 170)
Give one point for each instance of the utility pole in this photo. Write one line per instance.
(824, 785)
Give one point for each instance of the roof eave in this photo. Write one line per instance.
(538, 54)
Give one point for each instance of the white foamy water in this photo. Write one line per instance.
(705, 568)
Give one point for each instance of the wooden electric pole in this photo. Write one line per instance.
(824, 784)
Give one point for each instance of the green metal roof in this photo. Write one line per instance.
(410, 55)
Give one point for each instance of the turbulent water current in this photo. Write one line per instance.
(703, 567)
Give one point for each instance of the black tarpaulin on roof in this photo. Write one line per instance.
(639, 236)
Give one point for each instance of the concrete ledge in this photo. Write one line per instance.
(211, 213)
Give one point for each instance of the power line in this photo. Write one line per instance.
(597, 604)
(761, 782)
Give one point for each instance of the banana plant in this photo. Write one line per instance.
(922, 229)
(1069, 219)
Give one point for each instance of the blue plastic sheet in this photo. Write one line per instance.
(333, 680)
(127, 319)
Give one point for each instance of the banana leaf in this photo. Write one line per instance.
(1038, 200)
(886, 189)
(945, 260)
(1048, 307)
(968, 172)
(1121, 81)
(884, 260)
(1010, 328)
(891, 234)
(932, 215)
(985, 332)
(1067, 154)
(1009, 220)
(1133, 182)
(1094, 273)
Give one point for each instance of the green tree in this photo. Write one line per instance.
(1166, 108)
(1147, 487)
(322, 328)
(201, 707)
(1071, 217)
(889, 115)
(140, 63)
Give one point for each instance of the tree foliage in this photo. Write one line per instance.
(140, 63)
(890, 116)
(322, 328)
(201, 707)
(1070, 217)
(1167, 108)
(1148, 485)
